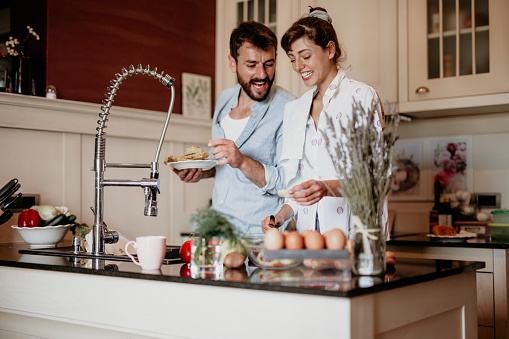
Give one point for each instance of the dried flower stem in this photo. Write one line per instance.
(363, 157)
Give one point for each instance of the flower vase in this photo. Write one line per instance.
(368, 251)
(23, 79)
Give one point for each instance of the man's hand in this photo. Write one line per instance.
(226, 152)
(193, 174)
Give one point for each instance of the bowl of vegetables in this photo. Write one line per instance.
(45, 226)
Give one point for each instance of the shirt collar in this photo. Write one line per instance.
(333, 88)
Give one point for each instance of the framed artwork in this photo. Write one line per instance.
(452, 164)
(410, 175)
(419, 163)
(196, 96)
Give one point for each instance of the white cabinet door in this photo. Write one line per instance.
(456, 48)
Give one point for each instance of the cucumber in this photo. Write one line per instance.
(60, 219)
(71, 219)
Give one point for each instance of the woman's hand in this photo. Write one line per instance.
(275, 220)
(309, 192)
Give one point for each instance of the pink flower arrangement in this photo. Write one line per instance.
(451, 160)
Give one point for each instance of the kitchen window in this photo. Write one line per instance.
(263, 11)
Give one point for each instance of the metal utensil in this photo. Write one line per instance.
(272, 222)
(8, 203)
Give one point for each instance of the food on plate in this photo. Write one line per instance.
(273, 240)
(444, 230)
(294, 241)
(190, 153)
(234, 260)
(335, 239)
(314, 240)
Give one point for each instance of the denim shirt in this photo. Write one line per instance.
(261, 140)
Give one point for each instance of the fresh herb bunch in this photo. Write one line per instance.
(363, 157)
(208, 223)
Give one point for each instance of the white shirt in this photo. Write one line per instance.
(314, 161)
(233, 127)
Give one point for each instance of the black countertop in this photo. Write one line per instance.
(422, 239)
(298, 280)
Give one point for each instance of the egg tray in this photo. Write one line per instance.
(307, 254)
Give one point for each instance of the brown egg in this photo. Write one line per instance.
(335, 239)
(305, 233)
(314, 241)
(294, 241)
(273, 240)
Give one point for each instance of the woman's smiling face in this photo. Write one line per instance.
(313, 63)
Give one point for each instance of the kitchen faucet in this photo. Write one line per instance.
(100, 234)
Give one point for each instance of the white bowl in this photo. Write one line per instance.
(43, 237)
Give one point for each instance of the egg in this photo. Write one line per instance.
(314, 241)
(273, 240)
(294, 241)
(335, 239)
(305, 233)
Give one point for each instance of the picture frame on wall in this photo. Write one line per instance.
(419, 162)
(452, 165)
(196, 96)
(410, 173)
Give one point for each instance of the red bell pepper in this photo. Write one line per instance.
(29, 218)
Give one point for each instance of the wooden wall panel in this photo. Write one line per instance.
(89, 41)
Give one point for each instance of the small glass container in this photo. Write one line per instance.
(51, 92)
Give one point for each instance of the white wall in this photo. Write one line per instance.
(49, 146)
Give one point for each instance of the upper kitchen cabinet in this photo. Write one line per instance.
(454, 57)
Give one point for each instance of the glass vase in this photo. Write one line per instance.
(22, 76)
(369, 252)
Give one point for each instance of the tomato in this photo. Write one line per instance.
(29, 218)
(185, 251)
(185, 271)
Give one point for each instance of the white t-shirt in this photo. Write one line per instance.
(233, 127)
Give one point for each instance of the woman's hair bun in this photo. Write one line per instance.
(320, 13)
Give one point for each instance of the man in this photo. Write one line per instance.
(247, 133)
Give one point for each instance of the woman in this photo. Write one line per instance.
(311, 44)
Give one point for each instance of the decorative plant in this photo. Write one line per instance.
(17, 48)
(210, 227)
(363, 154)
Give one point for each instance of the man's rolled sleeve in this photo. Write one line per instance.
(274, 177)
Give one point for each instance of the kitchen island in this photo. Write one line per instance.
(52, 297)
(492, 280)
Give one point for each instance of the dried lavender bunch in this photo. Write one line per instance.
(363, 157)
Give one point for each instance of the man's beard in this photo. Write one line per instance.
(246, 86)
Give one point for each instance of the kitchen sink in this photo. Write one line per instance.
(172, 254)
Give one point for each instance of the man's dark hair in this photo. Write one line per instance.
(253, 32)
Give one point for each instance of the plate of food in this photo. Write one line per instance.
(202, 164)
(449, 232)
(194, 157)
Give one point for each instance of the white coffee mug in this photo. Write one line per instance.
(151, 251)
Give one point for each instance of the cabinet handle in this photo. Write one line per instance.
(422, 90)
